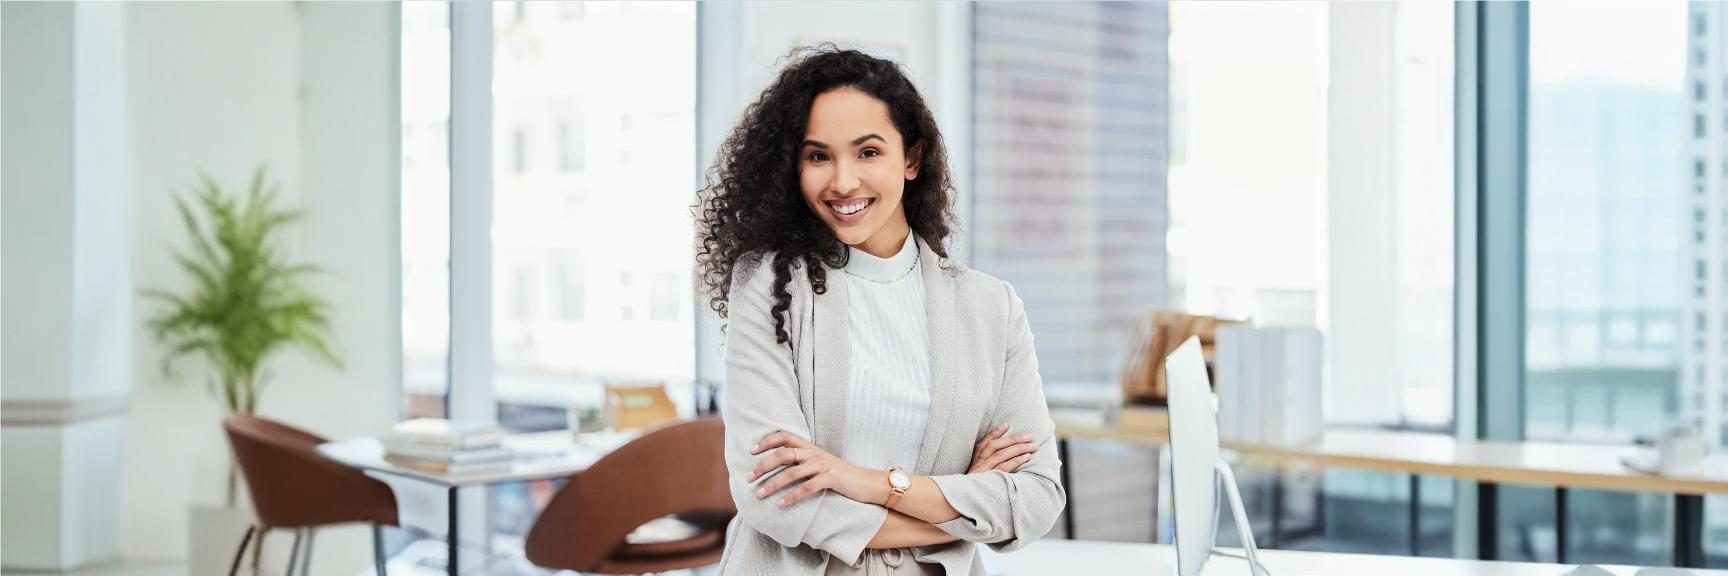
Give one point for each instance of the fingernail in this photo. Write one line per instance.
(756, 448)
(1025, 436)
(760, 492)
(781, 503)
(1025, 457)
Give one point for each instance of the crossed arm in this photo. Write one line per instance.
(913, 520)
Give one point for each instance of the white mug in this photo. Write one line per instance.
(1680, 447)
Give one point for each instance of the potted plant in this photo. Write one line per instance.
(246, 302)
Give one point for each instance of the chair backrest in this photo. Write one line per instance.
(676, 469)
(292, 485)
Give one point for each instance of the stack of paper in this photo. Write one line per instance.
(1268, 385)
(444, 447)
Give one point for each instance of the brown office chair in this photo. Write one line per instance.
(294, 487)
(677, 470)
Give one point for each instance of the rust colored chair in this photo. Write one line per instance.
(294, 487)
(678, 470)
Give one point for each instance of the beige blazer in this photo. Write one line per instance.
(983, 373)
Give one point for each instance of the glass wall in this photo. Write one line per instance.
(1287, 163)
(593, 161)
(1624, 242)
(593, 166)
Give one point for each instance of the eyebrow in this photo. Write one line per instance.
(860, 140)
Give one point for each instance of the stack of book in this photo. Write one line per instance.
(444, 447)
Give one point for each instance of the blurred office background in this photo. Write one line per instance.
(1290, 162)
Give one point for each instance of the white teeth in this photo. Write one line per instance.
(850, 208)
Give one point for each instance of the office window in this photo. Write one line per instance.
(556, 73)
(571, 151)
(666, 298)
(1609, 233)
(572, 302)
(519, 148)
(425, 201)
(558, 217)
(1100, 200)
(1070, 115)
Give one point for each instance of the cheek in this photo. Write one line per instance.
(890, 183)
(810, 182)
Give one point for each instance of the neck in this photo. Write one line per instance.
(887, 241)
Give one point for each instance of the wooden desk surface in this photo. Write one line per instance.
(1091, 557)
(1537, 463)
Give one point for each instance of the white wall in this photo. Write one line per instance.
(309, 89)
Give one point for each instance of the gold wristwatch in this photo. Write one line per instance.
(898, 483)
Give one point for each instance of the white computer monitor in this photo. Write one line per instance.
(1196, 470)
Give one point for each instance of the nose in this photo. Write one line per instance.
(845, 180)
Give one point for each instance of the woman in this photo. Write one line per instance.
(883, 406)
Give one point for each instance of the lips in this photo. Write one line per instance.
(851, 209)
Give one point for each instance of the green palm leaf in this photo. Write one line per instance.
(245, 302)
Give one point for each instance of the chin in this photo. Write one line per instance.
(852, 239)
(851, 235)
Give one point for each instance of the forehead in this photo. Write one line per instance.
(838, 116)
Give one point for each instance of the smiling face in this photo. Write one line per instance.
(853, 169)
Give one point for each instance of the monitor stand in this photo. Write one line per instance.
(1244, 531)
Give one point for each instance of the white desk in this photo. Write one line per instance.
(1488, 462)
(538, 456)
(1091, 557)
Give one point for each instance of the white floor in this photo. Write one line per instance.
(119, 569)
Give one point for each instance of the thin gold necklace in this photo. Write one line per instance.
(915, 257)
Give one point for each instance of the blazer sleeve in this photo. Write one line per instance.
(1002, 509)
(762, 397)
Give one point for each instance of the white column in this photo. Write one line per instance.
(1362, 214)
(67, 274)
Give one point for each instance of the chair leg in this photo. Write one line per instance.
(258, 547)
(306, 563)
(241, 553)
(378, 549)
(294, 551)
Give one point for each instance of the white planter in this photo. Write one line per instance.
(216, 532)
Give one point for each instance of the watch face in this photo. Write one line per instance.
(899, 480)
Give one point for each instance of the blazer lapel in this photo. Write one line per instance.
(939, 313)
(831, 369)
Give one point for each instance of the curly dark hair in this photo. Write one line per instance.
(751, 203)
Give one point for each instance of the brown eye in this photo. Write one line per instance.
(870, 153)
(818, 156)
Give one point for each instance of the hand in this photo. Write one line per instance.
(998, 451)
(819, 470)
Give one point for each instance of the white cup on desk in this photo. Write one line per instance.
(1678, 448)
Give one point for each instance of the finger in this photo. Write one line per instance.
(978, 450)
(1009, 453)
(816, 484)
(1004, 442)
(773, 460)
(788, 476)
(1014, 464)
(776, 439)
